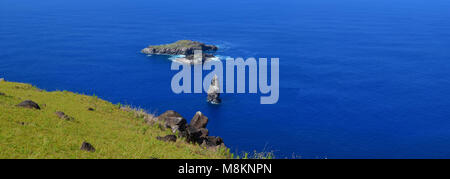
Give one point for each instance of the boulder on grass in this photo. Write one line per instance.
(168, 138)
(29, 104)
(172, 120)
(212, 141)
(87, 147)
(61, 115)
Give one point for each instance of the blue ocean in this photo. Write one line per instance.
(358, 78)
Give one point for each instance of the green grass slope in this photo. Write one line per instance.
(115, 133)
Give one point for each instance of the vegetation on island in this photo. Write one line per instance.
(179, 44)
(180, 47)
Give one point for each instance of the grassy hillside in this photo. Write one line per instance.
(115, 133)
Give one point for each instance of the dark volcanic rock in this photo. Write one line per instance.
(87, 147)
(199, 120)
(204, 132)
(29, 104)
(213, 98)
(172, 120)
(61, 115)
(181, 47)
(212, 141)
(192, 135)
(168, 138)
(195, 132)
(2, 94)
(214, 91)
(91, 109)
(169, 113)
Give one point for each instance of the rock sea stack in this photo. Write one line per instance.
(214, 91)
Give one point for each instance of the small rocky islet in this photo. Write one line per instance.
(183, 47)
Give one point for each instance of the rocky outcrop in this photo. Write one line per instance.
(194, 132)
(197, 132)
(181, 47)
(204, 131)
(199, 120)
(87, 147)
(29, 104)
(167, 138)
(212, 141)
(214, 91)
(173, 120)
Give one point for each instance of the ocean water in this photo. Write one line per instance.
(358, 78)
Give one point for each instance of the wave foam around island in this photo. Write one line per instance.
(216, 58)
(174, 57)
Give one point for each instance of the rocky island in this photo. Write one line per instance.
(186, 48)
